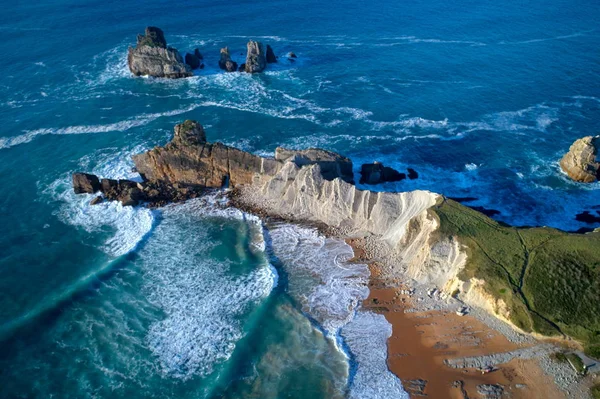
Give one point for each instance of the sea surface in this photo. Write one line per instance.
(196, 300)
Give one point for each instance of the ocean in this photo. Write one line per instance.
(197, 301)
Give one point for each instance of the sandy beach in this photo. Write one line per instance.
(423, 341)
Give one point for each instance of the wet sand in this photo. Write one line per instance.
(421, 341)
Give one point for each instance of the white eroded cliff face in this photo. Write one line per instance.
(403, 230)
(400, 230)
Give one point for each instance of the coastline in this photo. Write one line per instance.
(424, 342)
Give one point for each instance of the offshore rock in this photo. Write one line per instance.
(377, 173)
(192, 60)
(225, 61)
(255, 59)
(270, 55)
(152, 57)
(85, 183)
(331, 164)
(581, 162)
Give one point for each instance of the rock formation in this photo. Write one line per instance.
(85, 183)
(581, 162)
(270, 55)
(331, 164)
(377, 173)
(192, 60)
(152, 57)
(255, 60)
(225, 61)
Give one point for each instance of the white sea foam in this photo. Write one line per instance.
(471, 166)
(121, 126)
(202, 302)
(366, 336)
(129, 224)
(340, 286)
(331, 290)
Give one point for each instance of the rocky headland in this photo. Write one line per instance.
(543, 282)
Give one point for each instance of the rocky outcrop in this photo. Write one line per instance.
(255, 59)
(271, 58)
(192, 60)
(377, 173)
(85, 183)
(331, 164)
(190, 160)
(225, 61)
(581, 162)
(152, 57)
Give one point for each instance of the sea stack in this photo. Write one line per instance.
(256, 59)
(152, 57)
(271, 58)
(225, 61)
(581, 162)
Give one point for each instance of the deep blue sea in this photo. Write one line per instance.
(195, 301)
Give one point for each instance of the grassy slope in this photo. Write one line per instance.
(549, 279)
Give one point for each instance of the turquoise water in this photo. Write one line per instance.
(193, 301)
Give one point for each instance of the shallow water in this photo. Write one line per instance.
(481, 99)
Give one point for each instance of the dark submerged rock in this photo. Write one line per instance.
(85, 183)
(291, 54)
(412, 174)
(588, 217)
(192, 61)
(271, 58)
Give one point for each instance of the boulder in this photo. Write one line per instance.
(377, 173)
(291, 54)
(581, 162)
(198, 54)
(85, 183)
(192, 61)
(332, 165)
(412, 174)
(152, 57)
(242, 68)
(97, 200)
(270, 55)
(255, 59)
(225, 61)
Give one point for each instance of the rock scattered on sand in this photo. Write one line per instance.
(581, 162)
(85, 183)
(225, 61)
(152, 57)
(377, 173)
(490, 391)
(255, 59)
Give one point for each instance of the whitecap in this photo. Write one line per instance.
(121, 126)
(201, 300)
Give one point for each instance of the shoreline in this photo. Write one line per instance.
(425, 342)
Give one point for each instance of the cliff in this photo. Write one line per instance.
(540, 280)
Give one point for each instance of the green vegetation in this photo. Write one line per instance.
(595, 391)
(549, 279)
(576, 362)
(559, 357)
